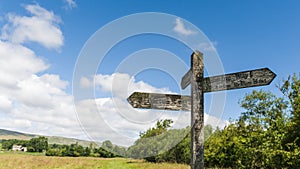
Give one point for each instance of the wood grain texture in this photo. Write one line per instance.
(159, 101)
(197, 112)
(245, 79)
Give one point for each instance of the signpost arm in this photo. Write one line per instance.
(200, 85)
(197, 113)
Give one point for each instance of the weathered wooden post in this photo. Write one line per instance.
(197, 112)
(195, 103)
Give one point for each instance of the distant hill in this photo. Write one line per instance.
(8, 134)
(64, 140)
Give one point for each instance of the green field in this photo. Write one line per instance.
(39, 161)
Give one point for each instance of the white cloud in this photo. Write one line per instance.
(103, 119)
(54, 81)
(119, 84)
(44, 90)
(44, 104)
(26, 95)
(5, 103)
(181, 29)
(41, 27)
(85, 82)
(114, 119)
(30, 99)
(71, 4)
(17, 123)
(18, 63)
(207, 47)
(34, 101)
(215, 121)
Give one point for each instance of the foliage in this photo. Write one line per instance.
(116, 150)
(8, 144)
(291, 90)
(266, 135)
(39, 144)
(160, 128)
(179, 153)
(168, 145)
(76, 150)
(154, 141)
(107, 145)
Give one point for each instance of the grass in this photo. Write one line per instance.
(38, 161)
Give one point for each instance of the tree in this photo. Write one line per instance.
(8, 144)
(151, 142)
(168, 145)
(161, 127)
(181, 153)
(39, 144)
(101, 152)
(107, 145)
(263, 110)
(256, 139)
(291, 90)
(119, 151)
(208, 131)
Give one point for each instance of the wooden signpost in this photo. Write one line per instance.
(195, 102)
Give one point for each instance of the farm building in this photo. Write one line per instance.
(19, 148)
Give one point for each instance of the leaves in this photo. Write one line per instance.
(266, 135)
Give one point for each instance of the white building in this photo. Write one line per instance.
(19, 148)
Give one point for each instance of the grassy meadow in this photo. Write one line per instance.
(10, 160)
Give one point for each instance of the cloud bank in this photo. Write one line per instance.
(34, 101)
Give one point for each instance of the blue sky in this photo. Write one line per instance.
(246, 35)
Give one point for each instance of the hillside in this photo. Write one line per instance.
(8, 134)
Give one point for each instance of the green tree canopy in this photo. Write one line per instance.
(39, 144)
(266, 135)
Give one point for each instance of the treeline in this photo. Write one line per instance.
(39, 144)
(107, 150)
(266, 135)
